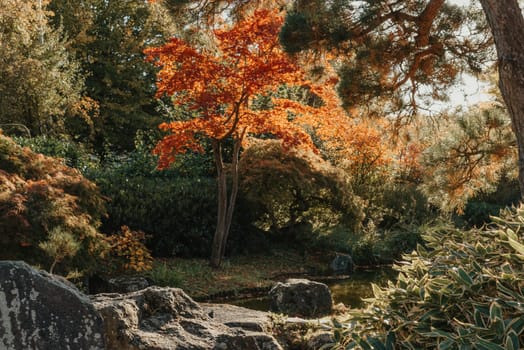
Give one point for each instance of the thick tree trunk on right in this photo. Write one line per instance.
(507, 25)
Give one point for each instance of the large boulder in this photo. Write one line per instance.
(166, 318)
(301, 297)
(39, 311)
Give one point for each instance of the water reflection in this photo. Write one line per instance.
(349, 291)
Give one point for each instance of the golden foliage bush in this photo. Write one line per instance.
(128, 250)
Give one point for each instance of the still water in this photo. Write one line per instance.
(349, 291)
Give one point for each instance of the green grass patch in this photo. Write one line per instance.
(199, 280)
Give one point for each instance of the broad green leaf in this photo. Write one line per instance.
(465, 277)
(495, 312)
(516, 325)
(376, 343)
(512, 341)
(446, 344)
(483, 344)
(519, 247)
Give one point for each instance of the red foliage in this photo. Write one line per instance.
(221, 84)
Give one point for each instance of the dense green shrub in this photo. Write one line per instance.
(179, 214)
(464, 291)
(73, 154)
(295, 196)
(478, 209)
(175, 207)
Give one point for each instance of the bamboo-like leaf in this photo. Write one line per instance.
(512, 341)
(479, 321)
(495, 312)
(446, 344)
(483, 344)
(376, 289)
(351, 345)
(519, 247)
(390, 341)
(464, 277)
(376, 343)
(511, 234)
(516, 325)
(432, 314)
(437, 333)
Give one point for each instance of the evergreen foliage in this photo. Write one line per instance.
(108, 38)
(463, 290)
(40, 81)
(470, 155)
(400, 53)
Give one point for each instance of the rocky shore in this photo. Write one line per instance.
(43, 311)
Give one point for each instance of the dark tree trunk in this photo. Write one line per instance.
(220, 230)
(226, 205)
(507, 25)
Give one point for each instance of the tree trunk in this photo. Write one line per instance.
(225, 206)
(507, 25)
(233, 194)
(220, 231)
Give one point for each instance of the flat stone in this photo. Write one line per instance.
(238, 317)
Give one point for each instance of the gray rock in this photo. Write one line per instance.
(342, 264)
(238, 317)
(38, 311)
(301, 297)
(166, 318)
(319, 339)
(127, 284)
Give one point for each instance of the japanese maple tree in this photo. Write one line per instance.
(219, 86)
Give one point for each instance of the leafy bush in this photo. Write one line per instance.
(49, 208)
(178, 213)
(478, 209)
(73, 154)
(175, 207)
(295, 195)
(128, 252)
(464, 291)
(391, 244)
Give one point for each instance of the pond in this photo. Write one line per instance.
(348, 291)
